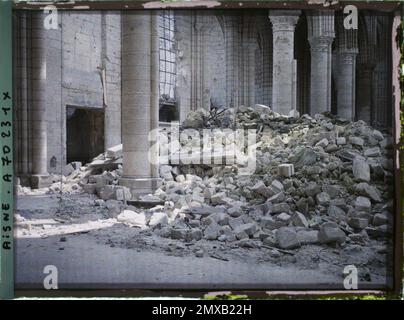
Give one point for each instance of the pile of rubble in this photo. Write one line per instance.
(318, 180)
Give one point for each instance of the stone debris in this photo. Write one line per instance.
(318, 180)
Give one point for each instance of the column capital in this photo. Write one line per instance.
(284, 20)
(321, 43)
(347, 56)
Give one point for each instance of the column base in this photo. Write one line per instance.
(140, 186)
(38, 181)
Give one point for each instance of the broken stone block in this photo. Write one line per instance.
(270, 240)
(165, 172)
(280, 207)
(261, 189)
(76, 165)
(287, 238)
(132, 218)
(90, 188)
(299, 220)
(376, 134)
(114, 152)
(114, 207)
(180, 178)
(305, 157)
(240, 234)
(336, 213)
(333, 190)
(349, 154)
(270, 223)
(198, 198)
(158, 219)
(322, 143)
(248, 228)
(361, 170)
(279, 197)
(286, 170)
(262, 109)
(378, 232)
(107, 192)
(312, 189)
(194, 234)
(341, 141)
(330, 233)
(149, 198)
(178, 233)
(358, 223)
(220, 218)
(283, 217)
(363, 204)
(218, 198)
(357, 141)
(212, 231)
(123, 194)
(235, 211)
(302, 205)
(370, 191)
(372, 152)
(307, 236)
(276, 187)
(380, 219)
(323, 198)
(67, 169)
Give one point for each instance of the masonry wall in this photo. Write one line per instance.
(83, 69)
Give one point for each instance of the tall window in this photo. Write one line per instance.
(167, 56)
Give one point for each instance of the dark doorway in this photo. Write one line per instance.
(85, 133)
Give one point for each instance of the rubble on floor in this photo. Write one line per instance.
(318, 180)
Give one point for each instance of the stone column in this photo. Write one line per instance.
(39, 172)
(320, 34)
(249, 52)
(364, 99)
(232, 32)
(139, 101)
(200, 91)
(346, 84)
(283, 26)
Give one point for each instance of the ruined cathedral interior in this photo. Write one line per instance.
(105, 78)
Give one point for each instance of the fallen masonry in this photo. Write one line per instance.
(318, 180)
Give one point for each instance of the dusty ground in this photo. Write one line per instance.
(91, 249)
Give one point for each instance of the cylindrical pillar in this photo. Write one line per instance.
(364, 99)
(139, 100)
(38, 91)
(346, 85)
(283, 26)
(320, 76)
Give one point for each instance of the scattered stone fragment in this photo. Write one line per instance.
(287, 238)
(323, 198)
(358, 223)
(286, 170)
(330, 233)
(372, 152)
(158, 219)
(361, 170)
(357, 141)
(132, 218)
(299, 220)
(363, 204)
(380, 219)
(307, 236)
(248, 228)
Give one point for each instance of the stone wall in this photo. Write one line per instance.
(77, 56)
